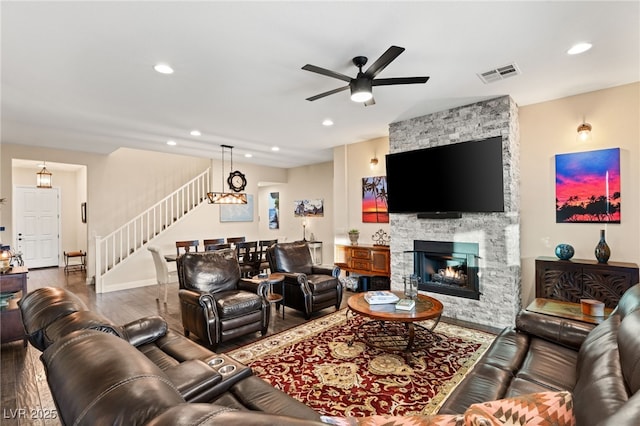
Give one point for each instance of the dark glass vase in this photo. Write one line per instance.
(602, 249)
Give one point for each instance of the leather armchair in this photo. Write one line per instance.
(308, 287)
(215, 303)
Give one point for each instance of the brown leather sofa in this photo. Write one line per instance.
(144, 373)
(308, 287)
(600, 366)
(216, 304)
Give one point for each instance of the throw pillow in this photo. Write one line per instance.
(540, 409)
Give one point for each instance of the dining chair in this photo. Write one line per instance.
(214, 247)
(212, 241)
(248, 258)
(263, 245)
(233, 240)
(164, 275)
(186, 246)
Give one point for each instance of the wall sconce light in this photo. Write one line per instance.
(584, 132)
(374, 162)
(43, 177)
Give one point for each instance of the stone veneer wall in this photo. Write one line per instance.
(498, 234)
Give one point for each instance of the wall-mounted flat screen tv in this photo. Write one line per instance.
(461, 177)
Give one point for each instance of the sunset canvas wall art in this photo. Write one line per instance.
(588, 187)
(374, 200)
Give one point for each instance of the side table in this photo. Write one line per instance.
(13, 285)
(272, 279)
(562, 309)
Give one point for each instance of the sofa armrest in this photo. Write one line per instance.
(332, 270)
(193, 378)
(260, 288)
(563, 331)
(145, 330)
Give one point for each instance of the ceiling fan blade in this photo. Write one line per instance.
(370, 102)
(384, 60)
(326, 72)
(330, 92)
(399, 80)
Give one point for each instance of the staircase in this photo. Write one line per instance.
(133, 235)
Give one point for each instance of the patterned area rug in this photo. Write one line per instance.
(320, 364)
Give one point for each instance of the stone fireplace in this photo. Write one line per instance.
(446, 267)
(491, 291)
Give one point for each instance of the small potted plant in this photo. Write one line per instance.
(354, 234)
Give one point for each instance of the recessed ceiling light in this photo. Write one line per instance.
(172, 143)
(247, 155)
(195, 133)
(275, 148)
(327, 122)
(579, 48)
(163, 68)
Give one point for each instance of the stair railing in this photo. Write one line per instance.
(133, 235)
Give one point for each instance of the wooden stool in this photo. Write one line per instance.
(78, 261)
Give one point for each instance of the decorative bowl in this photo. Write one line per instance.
(564, 251)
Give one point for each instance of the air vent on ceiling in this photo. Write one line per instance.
(500, 73)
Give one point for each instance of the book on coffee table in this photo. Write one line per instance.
(405, 304)
(380, 297)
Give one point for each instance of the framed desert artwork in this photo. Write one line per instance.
(588, 187)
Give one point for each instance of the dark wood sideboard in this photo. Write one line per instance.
(364, 259)
(13, 282)
(575, 279)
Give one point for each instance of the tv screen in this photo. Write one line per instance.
(460, 177)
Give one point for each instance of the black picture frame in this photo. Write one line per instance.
(83, 212)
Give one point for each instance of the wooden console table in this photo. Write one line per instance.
(364, 259)
(572, 280)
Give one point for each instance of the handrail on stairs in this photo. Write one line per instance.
(133, 235)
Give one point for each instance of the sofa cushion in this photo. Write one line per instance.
(599, 375)
(42, 307)
(231, 304)
(322, 283)
(80, 320)
(543, 362)
(629, 347)
(292, 257)
(98, 378)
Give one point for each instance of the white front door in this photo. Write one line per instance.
(37, 220)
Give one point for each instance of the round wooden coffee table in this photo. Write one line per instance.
(393, 329)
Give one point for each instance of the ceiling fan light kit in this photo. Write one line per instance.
(361, 86)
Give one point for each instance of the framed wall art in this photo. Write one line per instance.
(313, 208)
(374, 200)
(237, 212)
(588, 187)
(274, 210)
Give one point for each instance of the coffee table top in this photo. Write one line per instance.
(426, 308)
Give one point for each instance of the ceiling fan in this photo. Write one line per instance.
(361, 86)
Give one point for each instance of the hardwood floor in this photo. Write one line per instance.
(26, 399)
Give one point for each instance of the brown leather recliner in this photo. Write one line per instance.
(216, 304)
(308, 287)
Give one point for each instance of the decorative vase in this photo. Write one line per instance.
(602, 249)
(564, 251)
(353, 237)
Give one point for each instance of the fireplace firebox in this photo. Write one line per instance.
(447, 267)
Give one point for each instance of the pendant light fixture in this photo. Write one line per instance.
(43, 177)
(228, 197)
